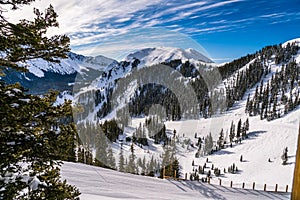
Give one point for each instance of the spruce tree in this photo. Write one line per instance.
(121, 161)
(111, 162)
(101, 149)
(239, 129)
(247, 124)
(220, 141)
(131, 167)
(27, 40)
(232, 132)
(208, 142)
(32, 130)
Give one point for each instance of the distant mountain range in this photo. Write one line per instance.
(95, 79)
(61, 76)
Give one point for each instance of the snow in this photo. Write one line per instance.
(14, 105)
(34, 183)
(297, 40)
(151, 56)
(62, 97)
(74, 63)
(96, 183)
(25, 100)
(36, 71)
(266, 141)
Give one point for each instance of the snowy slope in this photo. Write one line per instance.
(151, 56)
(74, 63)
(296, 40)
(266, 142)
(101, 184)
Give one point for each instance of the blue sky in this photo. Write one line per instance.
(223, 30)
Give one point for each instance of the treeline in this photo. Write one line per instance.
(94, 147)
(201, 81)
(278, 96)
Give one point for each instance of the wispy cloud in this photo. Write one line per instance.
(112, 24)
(115, 47)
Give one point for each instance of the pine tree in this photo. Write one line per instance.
(101, 149)
(208, 144)
(111, 159)
(220, 142)
(32, 130)
(284, 156)
(239, 129)
(26, 40)
(131, 166)
(247, 124)
(121, 161)
(232, 132)
(151, 167)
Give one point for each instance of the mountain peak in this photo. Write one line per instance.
(151, 56)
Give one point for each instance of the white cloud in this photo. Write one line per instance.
(137, 39)
(109, 24)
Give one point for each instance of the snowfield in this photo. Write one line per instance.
(261, 154)
(96, 183)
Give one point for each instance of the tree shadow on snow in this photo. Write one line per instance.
(223, 152)
(254, 134)
(202, 188)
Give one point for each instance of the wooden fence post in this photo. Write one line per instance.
(265, 187)
(220, 181)
(174, 174)
(243, 186)
(286, 188)
(231, 184)
(164, 172)
(185, 176)
(208, 180)
(276, 187)
(253, 187)
(296, 180)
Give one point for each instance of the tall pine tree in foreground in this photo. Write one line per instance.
(32, 130)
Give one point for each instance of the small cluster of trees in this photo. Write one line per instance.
(156, 129)
(240, 132)
(235, 135)
(278, 91)
(170, 163)
(232, 169)
(195, 175)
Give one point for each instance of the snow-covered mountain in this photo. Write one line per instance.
(136, 64)
(272, 130)
(43, 75)
(151, 56)
(75, 63)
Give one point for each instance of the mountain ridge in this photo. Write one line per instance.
(155, 55)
